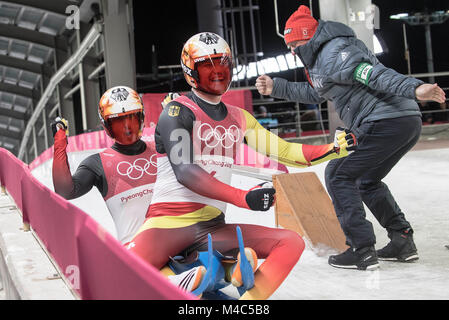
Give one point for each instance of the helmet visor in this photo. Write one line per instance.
(214, 74)
(126, 129)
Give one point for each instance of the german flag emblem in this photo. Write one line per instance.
(173, 111)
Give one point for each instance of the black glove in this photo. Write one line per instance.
(59, 123)
(260, 198)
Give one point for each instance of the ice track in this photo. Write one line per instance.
(420, 184)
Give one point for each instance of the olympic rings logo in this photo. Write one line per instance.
(138, 168)
(227, 137)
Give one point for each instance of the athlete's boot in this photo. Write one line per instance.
(233, 273)
(361, 259)
(400, 248)
(189, 280)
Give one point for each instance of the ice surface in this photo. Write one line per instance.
(420, 184)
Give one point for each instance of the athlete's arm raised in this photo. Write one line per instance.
(86, 176)
(295, 154)
(173, 137)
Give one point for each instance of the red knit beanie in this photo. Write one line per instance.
(300, 26)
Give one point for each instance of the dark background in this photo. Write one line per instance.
(168, 28)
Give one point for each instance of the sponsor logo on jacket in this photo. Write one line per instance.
(137, 195)
(317, 82)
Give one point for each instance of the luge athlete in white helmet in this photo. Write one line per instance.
(196, 138)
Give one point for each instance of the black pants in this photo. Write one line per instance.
(357, 179)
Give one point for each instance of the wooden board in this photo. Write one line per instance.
(303, 205)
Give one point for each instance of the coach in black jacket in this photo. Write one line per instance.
(378, 105)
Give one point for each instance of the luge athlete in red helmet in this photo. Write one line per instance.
(196, 138)
(124, 173)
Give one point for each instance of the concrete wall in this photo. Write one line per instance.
(26, 272)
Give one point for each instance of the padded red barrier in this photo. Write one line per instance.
(81, 142)
(95, 263)
(11, 174)
(153, 107)
(152, 103)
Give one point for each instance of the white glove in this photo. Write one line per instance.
(59, 123)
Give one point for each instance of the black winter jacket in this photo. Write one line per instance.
(343, 70)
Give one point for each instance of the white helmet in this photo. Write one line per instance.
(207, 63)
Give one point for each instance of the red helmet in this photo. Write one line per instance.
(122, 114)
(207, 63)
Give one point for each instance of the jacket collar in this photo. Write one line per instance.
(326, 31)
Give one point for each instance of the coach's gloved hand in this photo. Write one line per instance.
(59, 123)
(261, 197)
(168, 98)
(344, 141)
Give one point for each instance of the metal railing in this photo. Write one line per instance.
(321, 122)
(71, 63)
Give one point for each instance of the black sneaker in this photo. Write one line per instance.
(400, 248)
(361, 259)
